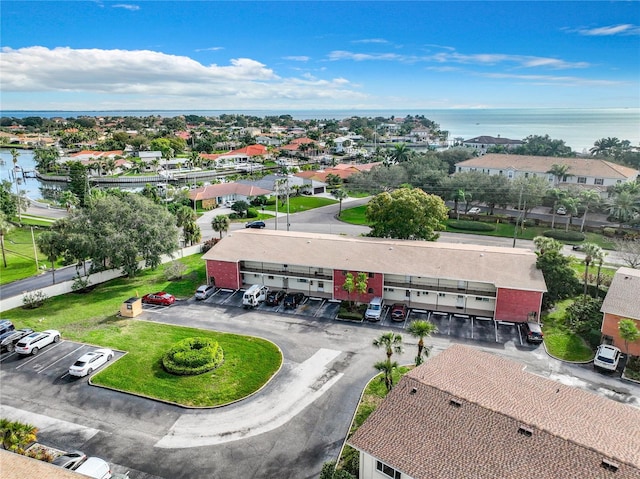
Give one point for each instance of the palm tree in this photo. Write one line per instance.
(600, 260)
(421, 329)
(220, 224)
(5, 227)
(605, 146)
(559, 172)
(386, 368)
(340, 195)
(51, 245)
(557, 195)
(588, 199)
(392, 343)
(401, 153)
(623, 206)
(544, 244)
(571, 205)
(592, 252)
(16, 435)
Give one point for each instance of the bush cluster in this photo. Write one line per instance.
(471, 225)
(193, 356)
(562, 235)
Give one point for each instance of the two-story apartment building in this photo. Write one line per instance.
(622, 302)
(498, 283)
(482, 143)
(582, 172)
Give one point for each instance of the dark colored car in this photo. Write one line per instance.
(275, 297)
(292, 300)
(9, 339)
(161, 298)
(398, 312)
(255, 224)
(532, 332)
(70, 460)
(6, 325)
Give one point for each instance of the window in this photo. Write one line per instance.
(270, 277)
(598, 181)
(526, 175)
(371, 275)
(370, 291)
(510, 174)
(302, 280)
(407, 294)
(388, 470)
(320, 284)
(441, 295)
(582, 180)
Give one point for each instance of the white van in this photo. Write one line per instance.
(96, 468)
(255, 295)
(374, 309)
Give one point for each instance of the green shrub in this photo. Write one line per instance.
(632, 368)
(471, 225)
(193, 356)
(609, 232)
(252, 213)
(562, 235)
(584, 315)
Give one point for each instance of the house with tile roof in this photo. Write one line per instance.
(242, 158)
(466, 414)
(497, 283)
(210, 196)
(342, 170)
(583, 172)
(622, 302)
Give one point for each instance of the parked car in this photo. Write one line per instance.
(577, 247)
(34, 342)
(474, 211)
(89, 362)
(96, 468)
(6, 325)
(204, 291)
(9, 339)
(275, 297)
(293, 300)
(374, 309)
(255, 224)
(161, 298)
(561, 210)
(607, 357)
(532, 332)
(398, 312)
(70, 460)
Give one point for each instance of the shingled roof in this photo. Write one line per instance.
(470, 414)
(623, 297)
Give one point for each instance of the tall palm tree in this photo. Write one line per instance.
(559, 172)
(51, 245)
(421, 329)
(401, 153)
(592, 252)
(340, 195)
(605, 146)
(600, 261)
(622, 206)
(571, 205)
(386, 368)
(557, 195)
(544, 244)
(391, 342)
(220, 224)
(589, 199)
(5, 227)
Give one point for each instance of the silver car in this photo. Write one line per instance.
(204, 291)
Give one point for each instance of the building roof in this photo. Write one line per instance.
(17, 466)
(542, 164)
(225, 189)
(623, 297)
(490, 140)
(504, 267)
(251, 150)
(460, 415)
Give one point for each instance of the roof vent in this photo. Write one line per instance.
(525, 431)
(609, 465)
(390, 247)
(414, 390)
(455, 403)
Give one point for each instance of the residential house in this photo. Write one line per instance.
(466, 414)
(211, 196)
(247, 158)
(482, 143)
(583, 172)
(294, 183)
(622, 302)
(342, 170)
(497, 283)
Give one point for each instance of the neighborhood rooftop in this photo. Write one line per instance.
(503, 267)
(623, 297)
(467, 413)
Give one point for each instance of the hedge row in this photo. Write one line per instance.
(193, 356)
(562, 235)
(471, 225)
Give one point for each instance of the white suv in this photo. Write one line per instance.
(607, 357)
(32, 343)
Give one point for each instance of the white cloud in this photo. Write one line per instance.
(297, 58)
(210, 49)
(359, 57)
(622, 29)
(554, 80)
(153, 78)
(371, 40)
(125, 6)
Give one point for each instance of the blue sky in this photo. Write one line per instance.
(102, 55)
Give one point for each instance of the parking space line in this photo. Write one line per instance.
(317, 313)
(69, 354)
(495, 327)
(8, 356)
(38, 356)
(472, 327)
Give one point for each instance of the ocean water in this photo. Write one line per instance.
(579, 128)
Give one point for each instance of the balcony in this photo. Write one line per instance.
(274, 271)
(438, 288)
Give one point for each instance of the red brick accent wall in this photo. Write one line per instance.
(376, 284)
(515, 305)
(610, 328)
(225, 274)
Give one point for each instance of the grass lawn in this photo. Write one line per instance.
(559, 340)
(301, 203)
(355, 216)
(92, 318)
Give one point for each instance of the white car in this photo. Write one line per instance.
(607, 357)
(89, 362)
(34, 342)
(96, 468)
(474, 211)
(561, 210)
(204, 291)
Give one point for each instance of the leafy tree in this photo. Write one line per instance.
(220, 224)
(329, 471)
(584, 316)
(5, 227)
(68, 199)
(151, 192)
(623, 206)
(557, 195)
(333, 180)
(544, 244)
(571, 204)
(537, 145)
(392, 343)
(606, 147)
(592, 252)
(421, 329)
(589, 199)
(528, 193)
(240, 207)
(78, 181)
(629, 251)
(8, 201)
(559, 276)
(340, 195)
(406, 214)
(362, 283)
(628, 332)
(52, 245)
(494, 191)
(349, 286)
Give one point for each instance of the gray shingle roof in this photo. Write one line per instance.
(418, 430)
(623, 297)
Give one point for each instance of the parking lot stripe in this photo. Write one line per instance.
(69, 354)
(8, 356)
(38, 356)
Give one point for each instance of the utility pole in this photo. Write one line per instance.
(288, 204)
(515, 230)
